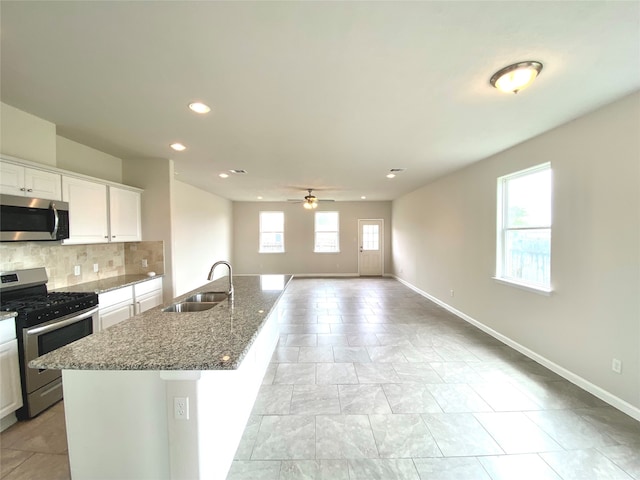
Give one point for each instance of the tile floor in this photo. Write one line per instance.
(36, 449)
(372, 381)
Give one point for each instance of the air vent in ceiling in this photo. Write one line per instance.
(238, 171)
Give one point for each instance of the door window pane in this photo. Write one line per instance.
(370, 237)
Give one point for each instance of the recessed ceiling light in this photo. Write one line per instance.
(516, 77)
(391, 175)
(199, 107)
(224, 175)
(259, 198)
(178, 147)
(363, 197)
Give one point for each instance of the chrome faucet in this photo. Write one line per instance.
(222, 262)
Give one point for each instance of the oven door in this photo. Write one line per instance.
(46, 337)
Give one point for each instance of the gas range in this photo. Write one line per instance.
(36, 309)
(46, 321)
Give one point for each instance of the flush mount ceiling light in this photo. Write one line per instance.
(516, 77)
(178, 147)
(199, 107)
(224, 175)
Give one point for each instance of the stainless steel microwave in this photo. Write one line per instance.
(27, 219)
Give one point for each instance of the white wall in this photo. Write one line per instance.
(593, 315)
(155, 176)
(201, 235)
(26, 136)
(299, 238)
(79, 158)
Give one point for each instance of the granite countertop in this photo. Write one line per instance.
(107, 284)
(215, 339)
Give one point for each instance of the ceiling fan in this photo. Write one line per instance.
(310, 201)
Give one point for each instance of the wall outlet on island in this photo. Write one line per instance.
(76, 270)
(95, 268)
(145, 264)
(181, 408)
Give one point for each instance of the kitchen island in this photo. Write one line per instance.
(167, 394)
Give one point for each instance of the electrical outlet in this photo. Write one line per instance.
(181, 408)
(616, 365)
(76, 270)
(451, 292)
(95, 268)
(145, 264)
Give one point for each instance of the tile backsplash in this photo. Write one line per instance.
(113, 259)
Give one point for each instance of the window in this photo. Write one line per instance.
(327, 238)
(271, 232)
(524, 228)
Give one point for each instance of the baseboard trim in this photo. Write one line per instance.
(581, 382)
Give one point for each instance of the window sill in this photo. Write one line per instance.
(315, 251)
(524, 286)
(269, 253)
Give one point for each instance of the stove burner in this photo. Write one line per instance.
(35, 309)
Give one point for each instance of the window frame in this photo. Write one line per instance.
(503, 229)
(261, 231)
(315, 232)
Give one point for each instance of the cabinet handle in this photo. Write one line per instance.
(106, 236)
(29, 189)
(22, 189)
(113, 236)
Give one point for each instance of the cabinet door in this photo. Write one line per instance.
(124, 215)
(10, 394)
(87, 210)
(41, 184)
(114, 315)
(148, 301)
(11, 179)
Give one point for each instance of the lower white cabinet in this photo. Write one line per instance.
(115, 306)
(147, 295)
(120, 304)
(10, 394)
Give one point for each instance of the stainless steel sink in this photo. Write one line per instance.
(190, 307)
(214, 297)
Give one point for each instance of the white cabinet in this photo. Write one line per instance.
(147, 295)
(87, 210)
(120, 304)
(10, 394)
(95, 217)
(29, 182)
(115, 306)
(124, 215)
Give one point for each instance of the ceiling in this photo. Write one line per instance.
(323, 95)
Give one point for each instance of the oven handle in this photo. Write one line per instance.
(56, 220)
(56, 325)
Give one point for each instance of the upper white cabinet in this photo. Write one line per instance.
(29, 182)
(87, 210)
(99, 211)
(124, 215)
(95, 217)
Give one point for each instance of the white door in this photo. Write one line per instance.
(370, 246)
